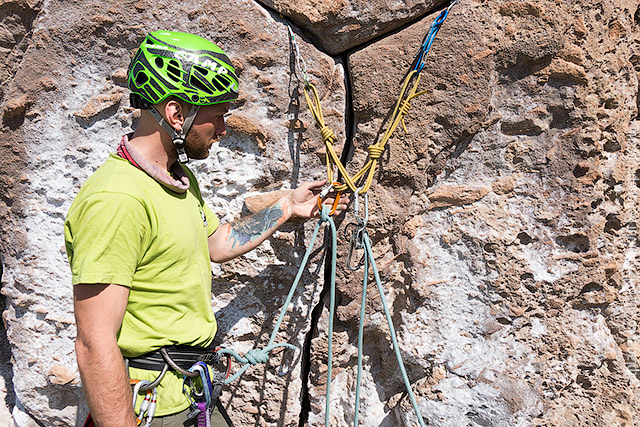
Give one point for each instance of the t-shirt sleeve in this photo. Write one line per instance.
(212, 219)
(106, 235)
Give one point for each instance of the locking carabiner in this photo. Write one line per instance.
(324, 194)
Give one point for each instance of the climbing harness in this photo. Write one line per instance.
(201, 387)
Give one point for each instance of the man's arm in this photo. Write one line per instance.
(239, 237)
(99, 310)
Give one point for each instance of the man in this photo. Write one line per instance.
(140, 238)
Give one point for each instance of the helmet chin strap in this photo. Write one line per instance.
(177, 137)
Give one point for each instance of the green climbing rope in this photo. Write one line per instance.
(261, 355)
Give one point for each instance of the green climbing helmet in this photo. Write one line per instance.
(183, 65)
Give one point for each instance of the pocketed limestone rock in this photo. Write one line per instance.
(82, 50)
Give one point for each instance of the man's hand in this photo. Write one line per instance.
(99, 309)
(242, 235)
(304, 200)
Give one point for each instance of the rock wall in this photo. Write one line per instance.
(503, 221)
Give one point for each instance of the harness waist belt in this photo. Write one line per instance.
(182, 355)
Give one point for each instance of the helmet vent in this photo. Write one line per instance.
(224, 80)
(204, 71)
(159, 62)
(173, 70)
(141, 78)
(217, 84)
(197, 83)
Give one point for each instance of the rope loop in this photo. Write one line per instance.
(256, 355)
(375, 151)
(404, 107)
(325, 213)
(327, 135)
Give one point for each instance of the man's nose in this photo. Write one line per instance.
(221, 128)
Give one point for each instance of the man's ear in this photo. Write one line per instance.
(174, 113)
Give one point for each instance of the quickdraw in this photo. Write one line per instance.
(148, 405)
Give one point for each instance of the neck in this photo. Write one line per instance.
(154, 144)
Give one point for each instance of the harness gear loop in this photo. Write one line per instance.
(152, 385)
(174, 366)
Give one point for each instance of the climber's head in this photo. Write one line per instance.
(183, 67)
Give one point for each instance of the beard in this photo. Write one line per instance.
(196, 148)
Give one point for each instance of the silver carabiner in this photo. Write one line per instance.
(356, 208)
(357, 239)
(298, 57)
(355, 243)
(136, 390)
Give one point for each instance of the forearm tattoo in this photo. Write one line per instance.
(247, 229)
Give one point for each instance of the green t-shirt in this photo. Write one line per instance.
(126, 228)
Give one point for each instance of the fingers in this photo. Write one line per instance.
(342, 205)
(314, 186)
